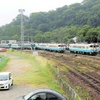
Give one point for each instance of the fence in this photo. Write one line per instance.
(70, 93)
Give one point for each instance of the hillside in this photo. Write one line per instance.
(60, 25)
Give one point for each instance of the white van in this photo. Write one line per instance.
(6, 80)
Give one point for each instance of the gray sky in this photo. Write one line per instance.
(9, 8)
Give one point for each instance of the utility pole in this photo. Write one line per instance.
(22, 28)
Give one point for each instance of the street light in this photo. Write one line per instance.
(22, 27)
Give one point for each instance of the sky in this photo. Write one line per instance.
(9, 8)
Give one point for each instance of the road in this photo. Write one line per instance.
(17, 66)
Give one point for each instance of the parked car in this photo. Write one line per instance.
(42, 94)
(3, 49)
(6, 80)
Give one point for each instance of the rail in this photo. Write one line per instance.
(70, 93)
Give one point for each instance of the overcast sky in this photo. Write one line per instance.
(9, 8)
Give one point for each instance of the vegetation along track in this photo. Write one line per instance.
(85, 68)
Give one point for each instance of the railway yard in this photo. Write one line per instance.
(82, 72)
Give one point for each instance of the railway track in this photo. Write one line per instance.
(84, 55)
(90, 81)
(82, 60)
(66, 57)
(87, 79)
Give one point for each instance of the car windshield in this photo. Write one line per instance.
(3, 77)
(27, 96)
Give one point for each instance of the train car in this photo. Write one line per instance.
(14, 46)
(51, 47)
(7, 43)
(4, 45)
(40, 46)
(91, 49)
(17, 46)
(29, 46)
(56, 47)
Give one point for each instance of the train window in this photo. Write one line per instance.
(82, 47)
(61, 45)
(91, 45)
(94, 46)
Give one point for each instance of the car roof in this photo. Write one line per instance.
(47, 90)
(4, 73)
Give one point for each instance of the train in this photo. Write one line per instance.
(56, 47)
(17, 46)
(84, 48)
(14, 44)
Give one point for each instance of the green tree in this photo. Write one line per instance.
(92, 35)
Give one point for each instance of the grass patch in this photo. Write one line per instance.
(3, 62)
(85, 69)
(82, 93)
(39, 74)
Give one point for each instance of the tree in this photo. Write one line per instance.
(92, 35)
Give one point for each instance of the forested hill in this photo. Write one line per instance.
(60, 25)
